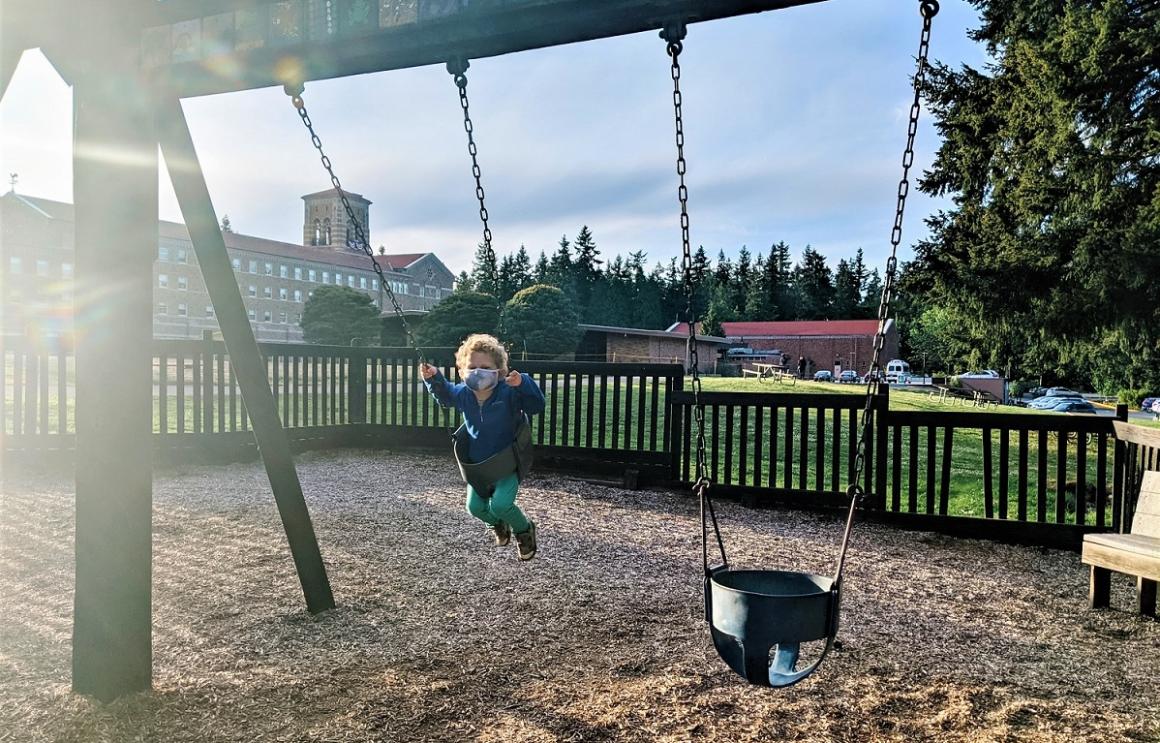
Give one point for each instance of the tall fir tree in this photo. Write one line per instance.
(485, 272)
(816, 285)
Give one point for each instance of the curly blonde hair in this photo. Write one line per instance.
(482, 343)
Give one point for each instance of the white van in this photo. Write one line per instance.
(895, 369)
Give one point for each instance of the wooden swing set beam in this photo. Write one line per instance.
(200, 48)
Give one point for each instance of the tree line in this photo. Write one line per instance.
(625, 292)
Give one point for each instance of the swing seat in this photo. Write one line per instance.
(484, 475)
(752, 611)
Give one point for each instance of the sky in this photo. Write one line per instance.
(795, 122)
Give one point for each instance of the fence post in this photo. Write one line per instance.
(675, 422)
(207, 381)
(879, 445)
(1120, 479)
(356, 386)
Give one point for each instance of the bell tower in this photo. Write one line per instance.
(326, 225)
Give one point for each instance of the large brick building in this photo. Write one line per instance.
(824, 344)
(37, 238)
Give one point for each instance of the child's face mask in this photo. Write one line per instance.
(481, 380)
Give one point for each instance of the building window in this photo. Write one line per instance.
(162, 309)
(298, 273)
(326, 277)
(14, 265)
(313, 275)
(350, 281)
(265, 315)
(432, 291)
(282, 294)
(209, 310)
(182, 257)
(362, 282)
(297, 295)
(282, 317)
(283, 271)
(162, 254)
(163, 280)
(252, 315)
(253, 266)
(337, 279)
(237, 264)
(267, 292)
(182, 283)
(252, 290)
(326, 231)
(182, 311)
(269, 269)
(66, 270)
(317, 238)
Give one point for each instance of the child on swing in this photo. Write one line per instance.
(488, 399)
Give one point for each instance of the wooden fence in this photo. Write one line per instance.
(1028, 477)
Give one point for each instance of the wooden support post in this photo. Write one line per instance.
(115, 189)
(1100, 588)
(201, 220)
(1146, 596)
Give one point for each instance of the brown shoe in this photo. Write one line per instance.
(503, 534)
(526, 542)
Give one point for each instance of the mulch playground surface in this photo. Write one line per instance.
(441, 636)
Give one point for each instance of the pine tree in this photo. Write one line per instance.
(585, 268)
(757, 305)
(815, 284)
(485, 272)
(741, 277)
(543, 271)
(847, 296)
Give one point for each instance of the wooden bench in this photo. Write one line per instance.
(1137, 553)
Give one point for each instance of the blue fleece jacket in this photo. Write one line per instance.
(491, 424)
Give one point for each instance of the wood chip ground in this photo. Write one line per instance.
(441, 636)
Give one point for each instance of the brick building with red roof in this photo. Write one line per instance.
(825, 344)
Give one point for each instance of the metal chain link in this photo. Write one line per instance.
(928, 9)
(674, 36)
(360, 235)
(458, 68)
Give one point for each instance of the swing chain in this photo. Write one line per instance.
(360, 237)
(674, 35)
(457, 66)
(928, 9)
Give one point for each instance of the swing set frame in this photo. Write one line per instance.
(130, 63)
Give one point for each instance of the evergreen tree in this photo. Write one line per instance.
(847, 294)
(541, 320)
(1051, 158)
(757, 304)
(741, 277)
(720, 310)
(515, 273)
(723, 276)
(779, 283)
(815, 285)
(585, 268)
(463, 282)
(542, 273)
(872, 296)
(335, 315)
(561, 274)
(485, 272)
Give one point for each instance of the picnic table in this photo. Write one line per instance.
(775, 372)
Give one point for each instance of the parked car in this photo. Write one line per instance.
(825, 375)
(1051, 403)
(848, 376)
(983, 374)
(866, 377)
(1061, 392)
(1074, 406)
(1146, 406)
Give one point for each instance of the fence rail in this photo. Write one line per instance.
(1046, 475)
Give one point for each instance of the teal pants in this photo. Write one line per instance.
(501, 506)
